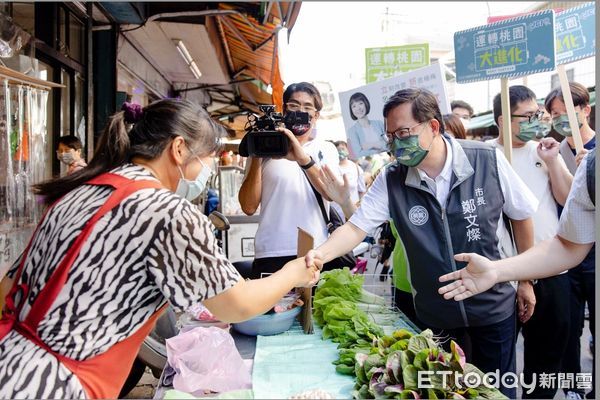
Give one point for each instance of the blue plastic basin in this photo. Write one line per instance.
(268, 324)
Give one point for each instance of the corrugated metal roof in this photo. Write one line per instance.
(250, 44)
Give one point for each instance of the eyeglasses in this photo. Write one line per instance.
(400, 133)
(536, 116)
(293, 106)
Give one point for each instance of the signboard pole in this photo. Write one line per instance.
(506, 131)
(566, 91)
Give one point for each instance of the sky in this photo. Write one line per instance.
(328, 40)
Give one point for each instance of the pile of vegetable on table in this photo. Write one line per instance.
(387, 366)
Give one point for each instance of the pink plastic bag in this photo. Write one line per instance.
(206, 359)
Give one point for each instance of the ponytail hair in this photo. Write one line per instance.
(151, 129)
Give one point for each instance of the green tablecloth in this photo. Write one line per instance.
(293, 362)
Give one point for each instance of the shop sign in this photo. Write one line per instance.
(514, 47)
(575, 30)
(386, 62)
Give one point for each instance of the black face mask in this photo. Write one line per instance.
(300, 130)
(293, 121)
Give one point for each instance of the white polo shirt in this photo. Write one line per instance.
(534, 172)
(578, 219)
(519, 202)
(288, 202)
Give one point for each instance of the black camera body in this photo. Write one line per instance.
(262, 139)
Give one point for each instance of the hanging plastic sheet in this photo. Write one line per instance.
(23, 149)
(22, 209)
(36, 106)
(6, 160)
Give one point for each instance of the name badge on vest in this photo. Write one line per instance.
(418, 215)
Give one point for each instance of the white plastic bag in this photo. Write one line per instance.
(206, 359)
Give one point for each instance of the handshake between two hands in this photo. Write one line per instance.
(313, 262)
(307, 268)
(478, 276)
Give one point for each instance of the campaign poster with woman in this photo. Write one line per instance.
(362, 107)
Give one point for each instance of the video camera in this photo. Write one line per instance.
(262, 139)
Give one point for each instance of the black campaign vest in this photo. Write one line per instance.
(433, 233)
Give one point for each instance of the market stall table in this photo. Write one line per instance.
(286, 364)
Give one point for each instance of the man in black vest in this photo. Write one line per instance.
(575, 238)
(446, 196)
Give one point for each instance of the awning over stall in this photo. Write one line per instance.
(232, 44)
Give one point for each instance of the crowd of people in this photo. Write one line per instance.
(430, 188)
(121, 233)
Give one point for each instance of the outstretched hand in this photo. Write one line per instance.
(336, 189)
(478, 276)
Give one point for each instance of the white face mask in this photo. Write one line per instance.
(191, 189)
(466, 123)
(67, 157)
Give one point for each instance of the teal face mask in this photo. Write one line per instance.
(528, 130)
(561, 124)
(408, 151)
(342, 154)
(543, 130)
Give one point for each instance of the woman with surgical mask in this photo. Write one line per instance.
(121, 239)
(354, 173)
(555, 105)
(69, 153)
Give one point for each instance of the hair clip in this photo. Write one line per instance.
(133, 112)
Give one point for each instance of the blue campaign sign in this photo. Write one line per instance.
(575, 30)
(514, 47)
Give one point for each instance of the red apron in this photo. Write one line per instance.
(102, 376)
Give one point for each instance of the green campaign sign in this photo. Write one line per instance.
(386, 62)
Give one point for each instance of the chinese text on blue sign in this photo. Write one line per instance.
(513, 47)
(575, 33)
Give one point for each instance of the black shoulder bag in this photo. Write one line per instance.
(333, 222)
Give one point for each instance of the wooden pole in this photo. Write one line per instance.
(573, 123)
(506, 131)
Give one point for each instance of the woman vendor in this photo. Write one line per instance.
(120, 240)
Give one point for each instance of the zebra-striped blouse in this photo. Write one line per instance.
(152, 248)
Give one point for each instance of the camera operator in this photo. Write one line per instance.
(281, 186)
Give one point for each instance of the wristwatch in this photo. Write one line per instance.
(310, 164)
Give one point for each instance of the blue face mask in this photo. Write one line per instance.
(191, 189)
